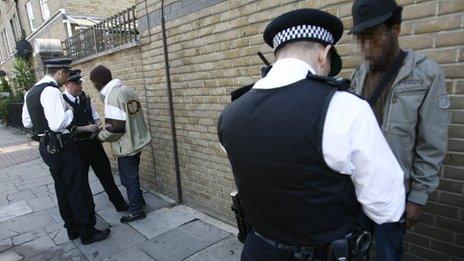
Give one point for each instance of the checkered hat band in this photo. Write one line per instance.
(58, 65)
(302, 32)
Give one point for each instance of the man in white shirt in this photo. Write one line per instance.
(46, 112)
(85, 126)
(307, 157)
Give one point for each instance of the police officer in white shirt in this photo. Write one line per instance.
(307, 156)
(46, 112)
(86, 125)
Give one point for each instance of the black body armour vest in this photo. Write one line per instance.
(35, 109)
(273, 138)
(82, 114)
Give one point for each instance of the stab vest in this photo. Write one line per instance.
(273, 138)
(35, 108)
(82, 114)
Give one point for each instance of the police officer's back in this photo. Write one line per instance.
(306, 156)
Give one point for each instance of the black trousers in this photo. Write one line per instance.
(93, 155)
(75, 201)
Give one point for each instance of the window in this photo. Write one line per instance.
(14, 27)
(44, 9)
(6, 43)
(30, 15)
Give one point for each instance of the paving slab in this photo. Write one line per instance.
(40, 181)
(101, 223)
(162, 220)
(41, 203)
(59, 236)
(111, 216)
(29, 236)
(101, 201)
(10, 255)
(183, 241)
(52, 252)
(5, 244)
(96, 187)
(14, 210)
(29, 222)
(7, 187)
(122, 237)
(20, 196)
(134, 253)
(34, 247)
(6, 233)
(154, 203)
(40, 191)
(74, 254)
(55, 214)
(229, 249)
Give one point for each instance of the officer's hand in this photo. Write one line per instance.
(94, 128)
(413, 214)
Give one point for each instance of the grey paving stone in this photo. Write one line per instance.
(192, 237)
(228, 249)
(101, 201)
(101, 223)
(29, 236)
(133, 253)
(40, 191)
(14, 210)
(162, 220)
(7, 187)
(96, 187)
(27, 184)
(29, 222)
(110, 215)
(74, 255)
(32, 172)
(6, 233)
(154, 203)
(55, 214)
(5, 244)
(51, 188)
(41, 203)
(34, 247)
(53, 227)
(121, 238)
(10, 255)
(20, 195)
(59, 236)
(53, 252)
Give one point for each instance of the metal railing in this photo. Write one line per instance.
(15, 118)
(117, 30)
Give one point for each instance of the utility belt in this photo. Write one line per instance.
(55, 141)
(355, 245)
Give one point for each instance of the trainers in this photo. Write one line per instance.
(132, 217)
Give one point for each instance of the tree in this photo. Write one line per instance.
(24, 76)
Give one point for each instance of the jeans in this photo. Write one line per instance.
(129, 174)
(389, 241)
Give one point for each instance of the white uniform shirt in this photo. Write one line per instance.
(352, 144)
(95, 115)
(52, 101)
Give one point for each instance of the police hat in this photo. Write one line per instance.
(306, 25)
(58, 63)
(75, 76)
(371, 13)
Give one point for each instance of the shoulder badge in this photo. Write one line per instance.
(133, 106)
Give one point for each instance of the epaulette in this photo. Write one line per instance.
(341, 84)
(234, 95)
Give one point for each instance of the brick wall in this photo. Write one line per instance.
(124, 65)
(212, 51)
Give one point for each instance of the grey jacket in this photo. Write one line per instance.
(415, 122)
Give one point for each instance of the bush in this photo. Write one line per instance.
(24, 76)
(4, 86)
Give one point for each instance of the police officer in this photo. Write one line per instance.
(307, 156)
(45, 110)
(86, 125)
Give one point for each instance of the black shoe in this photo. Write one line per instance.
(133, 217)
(122, 208)
(98, 235)
(72, 233)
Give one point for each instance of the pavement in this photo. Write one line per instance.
(31, 227)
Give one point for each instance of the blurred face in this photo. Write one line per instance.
(378, 43)
(74, 88)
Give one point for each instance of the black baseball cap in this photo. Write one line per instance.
(371, 13)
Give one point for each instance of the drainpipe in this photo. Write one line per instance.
(171, 106)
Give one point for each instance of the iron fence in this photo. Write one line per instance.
(112, 32)
(15, 118)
